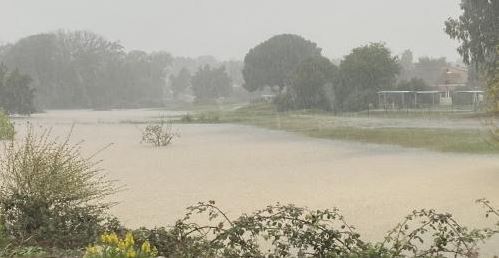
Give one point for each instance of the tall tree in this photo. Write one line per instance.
(16, 96)
(477, 29)
(312, 83)
(273, 62)
(81, 69)
(180, 82)
(406, 65)
(211, 83)
(38, 56)
(146, 77)
(364, 72)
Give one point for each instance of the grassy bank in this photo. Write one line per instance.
(325, 125)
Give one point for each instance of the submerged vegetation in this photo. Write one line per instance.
(159, 134)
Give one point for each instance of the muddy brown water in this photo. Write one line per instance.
(245, 168)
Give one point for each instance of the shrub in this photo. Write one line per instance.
(51, 195)
(159, 134)
(286, 230)
(4, 241)
(284, 102)
(187, 118)
(177, 241)
(201, 118)
(27, 251)
(6, 127)
(208, 118)
(112, 246)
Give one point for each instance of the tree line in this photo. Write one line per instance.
(81, 69)
(16, 96)
(302, 78)
(207, 84)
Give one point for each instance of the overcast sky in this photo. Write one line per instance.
(227, 29)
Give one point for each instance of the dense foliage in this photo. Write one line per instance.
(209, 83)
(16, 95)
(233, 67)
(477, 30)
(80, 69)
(50, 195)
(273, 62)
(312, 83)
(288, 231)
(181, 82)
(364, 72)
(307, 80)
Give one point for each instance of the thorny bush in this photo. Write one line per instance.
(286, 230)
(50, 194)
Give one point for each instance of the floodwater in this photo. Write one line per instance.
(245, 168)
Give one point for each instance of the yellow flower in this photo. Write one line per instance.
(103, 238)
(109, 239)
(129, 240)
(146, 247)
(122, 245)
(91, 250)
(131, 253)
(113, 239)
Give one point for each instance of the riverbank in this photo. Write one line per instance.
(458, 133)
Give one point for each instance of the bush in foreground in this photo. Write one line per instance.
(51, 195)
(290, 231)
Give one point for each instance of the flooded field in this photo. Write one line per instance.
(245, 168)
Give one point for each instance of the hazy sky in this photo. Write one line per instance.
(227, 29)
